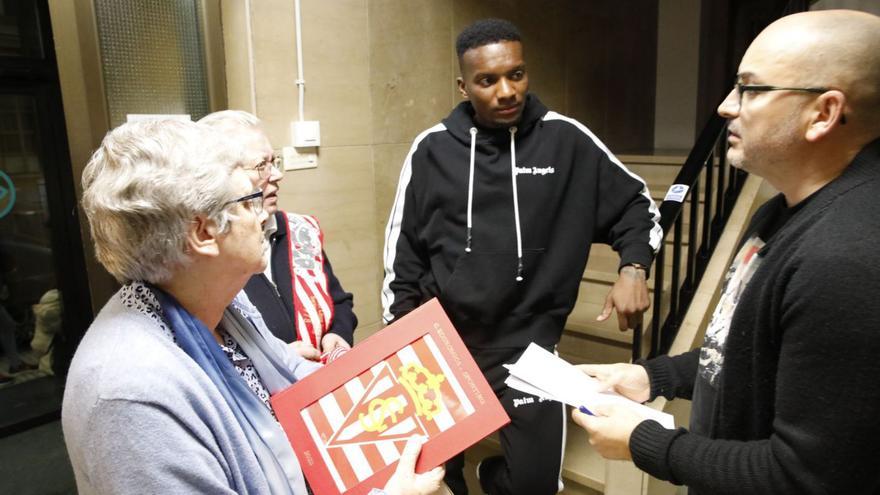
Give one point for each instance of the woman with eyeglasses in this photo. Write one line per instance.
(169, 389)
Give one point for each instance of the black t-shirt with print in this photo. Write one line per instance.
(746, 262)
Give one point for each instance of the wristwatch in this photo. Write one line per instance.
(637, 266)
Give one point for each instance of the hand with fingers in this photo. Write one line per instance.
(331, 341)
(405, 481)
(610, 428)
(628, 380)
(306, 350)
(629, 297)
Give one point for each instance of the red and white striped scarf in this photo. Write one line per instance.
(313, 306)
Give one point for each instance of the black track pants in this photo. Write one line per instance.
(532, 443)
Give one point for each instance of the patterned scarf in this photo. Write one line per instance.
(271, 448)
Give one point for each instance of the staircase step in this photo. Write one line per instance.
(659, 175)
(583, 469)
(603, 260)
(657, 157)
(579, 348)
(655, 174)
(581, 464)
(584, 338)
(582, 322)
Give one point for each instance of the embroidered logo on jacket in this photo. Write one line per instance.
(535, 170)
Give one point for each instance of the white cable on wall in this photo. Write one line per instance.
(250, 47)
(300, 78)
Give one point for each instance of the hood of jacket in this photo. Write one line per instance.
(461, 120)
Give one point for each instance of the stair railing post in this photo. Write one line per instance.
(659, 263)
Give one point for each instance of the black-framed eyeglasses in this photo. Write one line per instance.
(742, 88)
(760, 88)
(265, 167)
(254, 201)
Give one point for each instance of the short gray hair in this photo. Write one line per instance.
(237, 127)
(145, 184)
(231, 120)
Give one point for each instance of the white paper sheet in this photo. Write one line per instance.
(541, 373)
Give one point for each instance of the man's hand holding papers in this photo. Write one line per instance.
(543, 374)
(609, 427)
(612, 393)
(628, 380)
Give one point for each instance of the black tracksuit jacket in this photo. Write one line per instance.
(570, 192)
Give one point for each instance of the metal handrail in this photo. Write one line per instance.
(710, 197)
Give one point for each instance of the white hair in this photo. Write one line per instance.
(143, 187)
(238, 127)
(231, 120)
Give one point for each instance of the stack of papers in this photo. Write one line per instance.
(543, 374)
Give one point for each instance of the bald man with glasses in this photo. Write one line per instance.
(784, 387)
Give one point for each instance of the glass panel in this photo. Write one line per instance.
(30, 302)
(20, 29)
(153, 57)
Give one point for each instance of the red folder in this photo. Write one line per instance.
(348, 422)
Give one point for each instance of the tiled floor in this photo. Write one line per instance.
(32, 400)
(35, 463)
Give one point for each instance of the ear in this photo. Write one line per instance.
(461, 87)
(201, 238)
(827, 115)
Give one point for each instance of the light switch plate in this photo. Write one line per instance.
(306, 133)
(299, 159)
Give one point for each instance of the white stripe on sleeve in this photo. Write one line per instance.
(656, 234)
(392, 229)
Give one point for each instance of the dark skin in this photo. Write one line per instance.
(495, 81)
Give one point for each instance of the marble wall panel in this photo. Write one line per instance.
(232, 15)
(274, 66)
(387, 164)
(409, 63)
(337, 70)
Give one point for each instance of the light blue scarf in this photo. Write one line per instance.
(266, 438)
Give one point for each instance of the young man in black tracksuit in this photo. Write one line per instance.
(495, 213)
(784, 388)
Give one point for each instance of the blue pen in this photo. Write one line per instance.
(585, 410)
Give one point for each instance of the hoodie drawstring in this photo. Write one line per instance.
(471, 189)
(467, 249)
(519, 264)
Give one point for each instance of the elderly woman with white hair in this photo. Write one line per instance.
(168, 391)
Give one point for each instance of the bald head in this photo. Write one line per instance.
(830, 48)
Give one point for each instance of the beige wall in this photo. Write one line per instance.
(871, 6)
(377, 73)
(340, 191)
(678, 57)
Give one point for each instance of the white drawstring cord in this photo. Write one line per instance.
(467, 249)
(519, 263)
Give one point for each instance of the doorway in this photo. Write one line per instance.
(44, 294)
